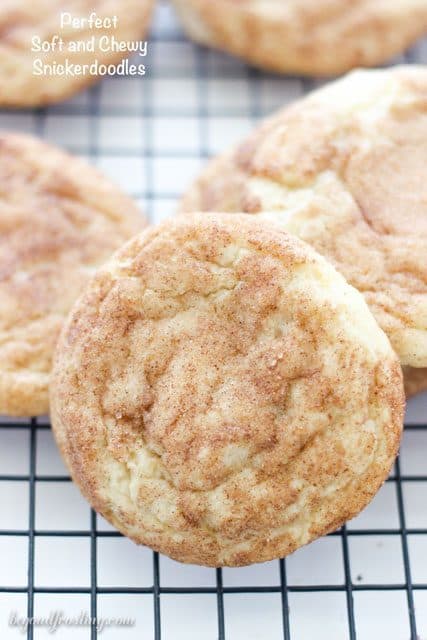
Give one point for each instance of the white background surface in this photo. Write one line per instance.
(152, 135)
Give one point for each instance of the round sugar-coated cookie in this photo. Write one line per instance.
(415, 381)
(312, 37)
(221, 394)
(50, 49)
(59, 220)
(345, 169)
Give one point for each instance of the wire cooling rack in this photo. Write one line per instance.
(365, 581)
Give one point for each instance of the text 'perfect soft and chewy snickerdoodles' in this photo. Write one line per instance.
(221, 394)
(314, 37)
(50, 49)
(345, 169)
(59, 220)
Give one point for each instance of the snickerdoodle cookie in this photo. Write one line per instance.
(41, 58)
(59, 220)
(345, 169)
(306, 36)
(221, 394)
(415, 381)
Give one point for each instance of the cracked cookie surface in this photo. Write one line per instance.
(345, 169)
(21, 20)
(313, 37)
(222, 395)
(59, 220)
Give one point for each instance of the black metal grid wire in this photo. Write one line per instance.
(35, 426)
(157, 590)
